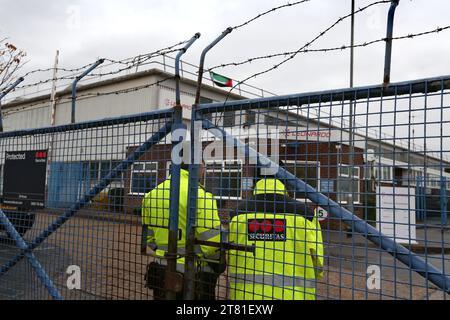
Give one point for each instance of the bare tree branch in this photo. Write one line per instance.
(11, 60)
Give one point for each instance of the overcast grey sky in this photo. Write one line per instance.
(85, 30)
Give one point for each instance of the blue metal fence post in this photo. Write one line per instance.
(74, 86)
(42, 275)
(189, 279)
(93, 192)
(202, 62)
(388, 53)
(418, 264)
(172, 284)
(3, 94)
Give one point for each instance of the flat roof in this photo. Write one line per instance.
(138, 75)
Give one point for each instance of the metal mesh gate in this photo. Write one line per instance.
(381, 153)
(90, 225)
(378, 152)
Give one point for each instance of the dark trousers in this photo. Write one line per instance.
(205, 283)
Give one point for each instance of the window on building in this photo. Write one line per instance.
(384, 173)
(412, 176)
(204, 100)
(114, 164)
(433, 181)
(251, 118)
(95, 170)
(105, 168)
(228, 119)
(223, 178)
(168, 164)
(348, 184)
(144, 177)
(369, 171)
(306, 171)
(271, 121)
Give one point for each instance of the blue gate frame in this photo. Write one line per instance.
(26, 249)
(413, 261)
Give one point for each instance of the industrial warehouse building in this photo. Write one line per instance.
(313, 150)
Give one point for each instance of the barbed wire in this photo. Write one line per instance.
(58, 69)
(123, 91)
(88, 95)
(138, 63)
(130, 63)
(269, 11)
(294, 54)
(329, 49)
(158, 52)
(343, 47)
(321, 34)
(136, 60)
(140, 58)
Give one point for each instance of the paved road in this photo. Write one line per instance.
(351, 257)
(107, 251)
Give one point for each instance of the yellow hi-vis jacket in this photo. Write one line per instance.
(270, 185)
(155, 214)
(288, 257)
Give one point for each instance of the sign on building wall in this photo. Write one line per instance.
(167, 100)
(396, 213)
(24, 178)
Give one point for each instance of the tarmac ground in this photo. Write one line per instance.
(106, 247)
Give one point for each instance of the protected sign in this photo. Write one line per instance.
(24, 178)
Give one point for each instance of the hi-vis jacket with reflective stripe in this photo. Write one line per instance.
(155, 214)
(287, 261)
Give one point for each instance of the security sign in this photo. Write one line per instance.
(321, 214)
(24, 178)
(266, 230)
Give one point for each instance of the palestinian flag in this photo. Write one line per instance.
(221, 81)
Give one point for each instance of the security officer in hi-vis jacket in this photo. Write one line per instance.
(155, 218)
(288, 257)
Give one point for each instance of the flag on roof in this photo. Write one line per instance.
(220, 80)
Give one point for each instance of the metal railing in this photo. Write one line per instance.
(381, 234)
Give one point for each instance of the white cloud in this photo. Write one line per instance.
(84, 30)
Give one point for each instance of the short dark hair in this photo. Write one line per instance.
(184, 166)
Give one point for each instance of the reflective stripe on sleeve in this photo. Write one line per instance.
(181, 250)
(215, 256)
(275, 280)
(206, 235)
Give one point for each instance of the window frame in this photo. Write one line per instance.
(222, 162)
(380, 177)
(351, 177)
(318, 173)
(141, 171)
(88, 172)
